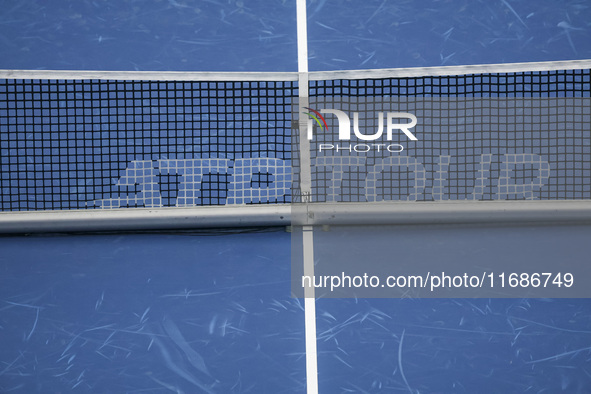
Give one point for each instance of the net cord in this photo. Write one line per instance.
(294, 76)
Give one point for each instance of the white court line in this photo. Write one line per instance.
(302, 37)
(305, 185)
(310, 312)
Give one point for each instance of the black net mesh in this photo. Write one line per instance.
(561, 83)
(508, 136)
(71, 144)
(78, 144)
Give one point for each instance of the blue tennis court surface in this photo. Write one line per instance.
(211, 312)
(147, 313)
(261, 35)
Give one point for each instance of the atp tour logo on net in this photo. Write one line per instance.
(372, 142)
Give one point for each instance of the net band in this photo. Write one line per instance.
(293, 76)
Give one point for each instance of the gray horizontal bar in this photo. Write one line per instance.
(145, 219)
(447, 212)
(149, 75)
(450, 70)
(293, 76)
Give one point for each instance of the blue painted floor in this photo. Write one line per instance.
(212, 313)
(149, 313)
(453, 345)
(260, 35)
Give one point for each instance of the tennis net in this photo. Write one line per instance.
(119, 141)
